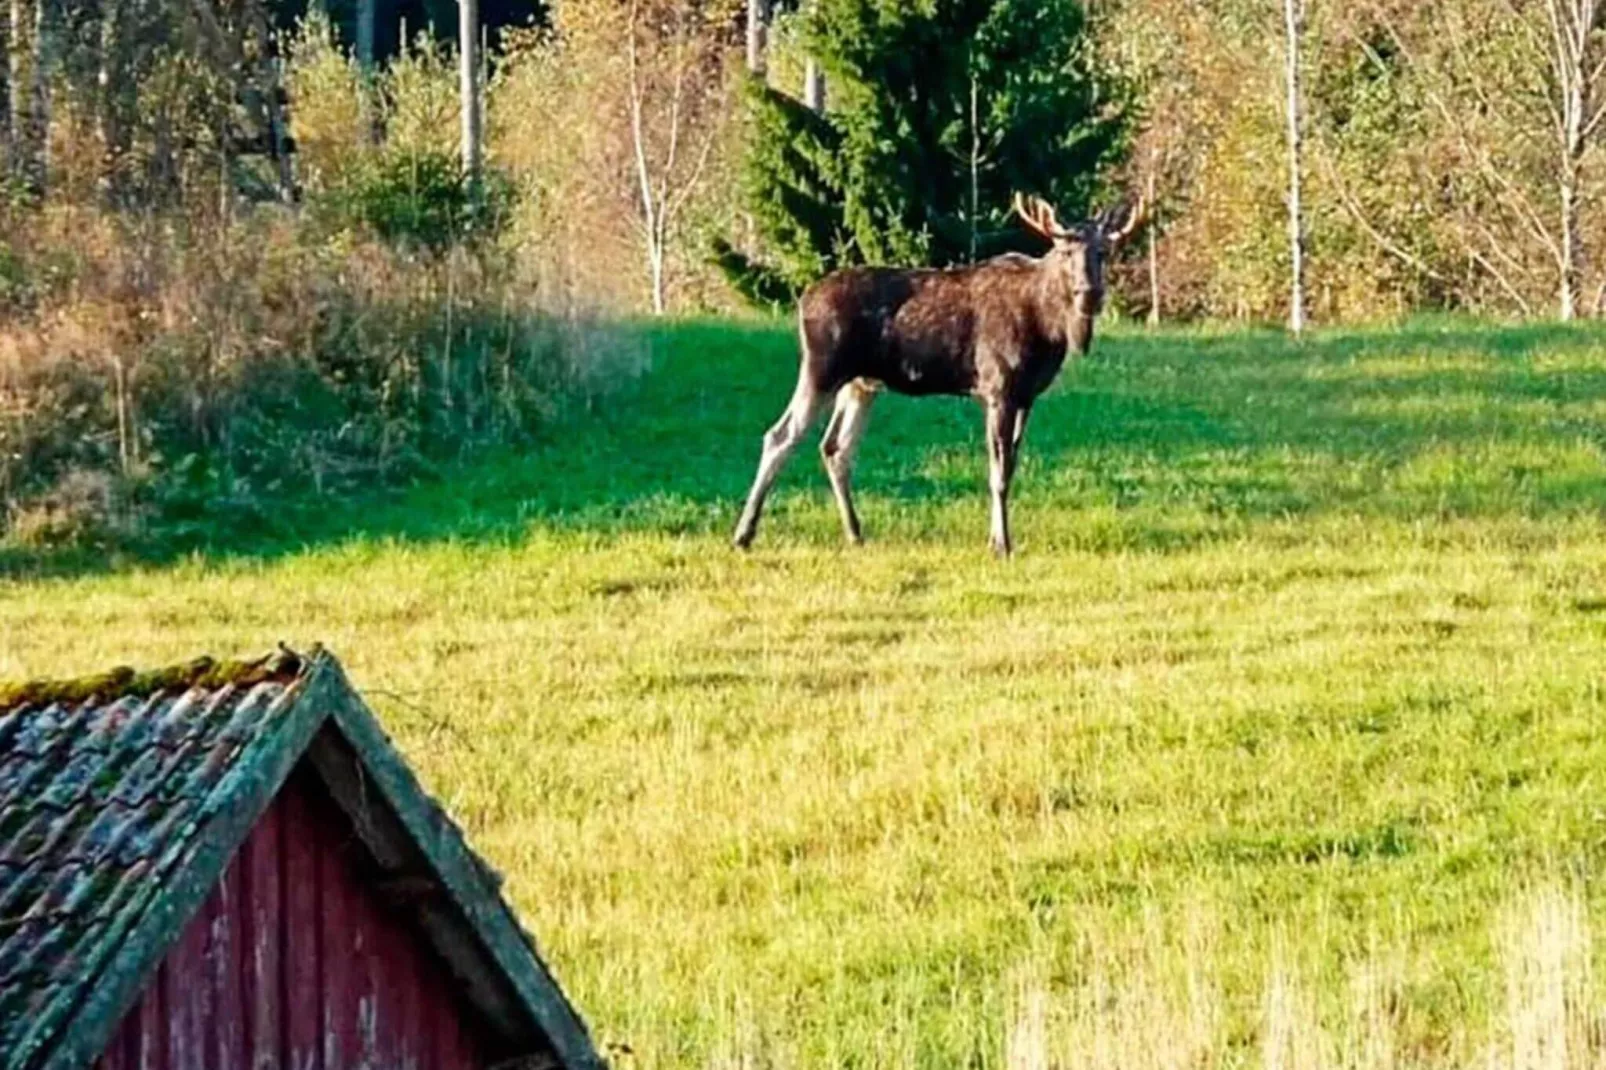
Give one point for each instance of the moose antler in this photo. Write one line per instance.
(1039, 215)
(1136, 217)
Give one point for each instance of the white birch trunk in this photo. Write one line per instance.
(468, 45)
(1293, 13)
(758, 17)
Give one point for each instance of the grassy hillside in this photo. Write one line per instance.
(1289, 712)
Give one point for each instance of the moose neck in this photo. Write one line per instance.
(1067, 321)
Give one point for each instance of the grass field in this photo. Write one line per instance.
(1281, 742)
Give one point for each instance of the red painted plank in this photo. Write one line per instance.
(373, 961)
(296, 962)
(407, 1047)
(227, 1017)
(339, 1002)
(262, 937)
(302, 1009)
(149, 1020)
(189, 998)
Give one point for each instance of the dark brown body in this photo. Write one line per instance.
(1000, 328)
(998, 331)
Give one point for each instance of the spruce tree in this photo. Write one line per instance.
(940, 110)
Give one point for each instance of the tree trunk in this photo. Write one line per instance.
(1296, 222)
(279, 130)
(1154, 254)
(813, 85)
(44, 59)
(16, 98)
(113, 93)
(365, 34)
(655, 255)
(1570, 251)
(758, 17)
(813, 80)
(1573, 25)
(468, 44)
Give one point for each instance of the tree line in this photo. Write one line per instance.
(1341, 159)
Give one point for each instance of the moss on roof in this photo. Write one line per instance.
(206, 673)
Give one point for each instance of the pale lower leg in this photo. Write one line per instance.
(1001, 428)
(779, 442)
(840, 447)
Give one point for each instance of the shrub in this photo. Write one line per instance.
(425, 200)
(205, 375)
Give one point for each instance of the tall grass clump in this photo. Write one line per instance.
(191, 373)
(1160, 1004)
(199, 360)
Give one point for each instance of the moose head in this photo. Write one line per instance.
(1078, 255)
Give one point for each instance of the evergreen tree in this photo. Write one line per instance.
(940, 111)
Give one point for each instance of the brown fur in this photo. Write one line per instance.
(998, 331)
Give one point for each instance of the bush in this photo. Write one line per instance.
(202, 376)
(425, 200)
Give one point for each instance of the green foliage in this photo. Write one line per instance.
(940, 111)
(425, 200)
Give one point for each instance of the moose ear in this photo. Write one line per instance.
(1118, 224)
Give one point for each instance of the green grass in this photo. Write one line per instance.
(1297, 675)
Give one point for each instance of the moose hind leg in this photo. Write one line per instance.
(840, 446)
(779, 442)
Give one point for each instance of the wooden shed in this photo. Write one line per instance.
(229, 866)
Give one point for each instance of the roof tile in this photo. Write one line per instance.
(96, 796)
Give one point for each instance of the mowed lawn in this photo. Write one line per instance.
(1289, 715)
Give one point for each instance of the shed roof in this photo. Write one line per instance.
(123, 797)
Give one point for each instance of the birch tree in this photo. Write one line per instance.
(16, 99)
(1515, 87)
(675, 88)
(468, 58)
(758, 17)
(1577, 62)
(1293, 19)
(45, 45)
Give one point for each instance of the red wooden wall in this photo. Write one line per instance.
(295, 963)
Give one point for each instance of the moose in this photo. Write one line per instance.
(998, 331)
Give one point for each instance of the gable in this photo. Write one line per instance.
(298, 958)
(125, 797)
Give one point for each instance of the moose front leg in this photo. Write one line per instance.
(1002, 440)
(779, 442)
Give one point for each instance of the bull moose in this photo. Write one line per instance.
(998, 331)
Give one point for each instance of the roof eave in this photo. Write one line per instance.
(466, 881)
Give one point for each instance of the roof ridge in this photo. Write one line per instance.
(281, 665)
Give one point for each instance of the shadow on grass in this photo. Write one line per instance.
(1430, 419)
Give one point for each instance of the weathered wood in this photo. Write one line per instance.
(399, 860)
(244, 794)
(296, 961)
(473, 913)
